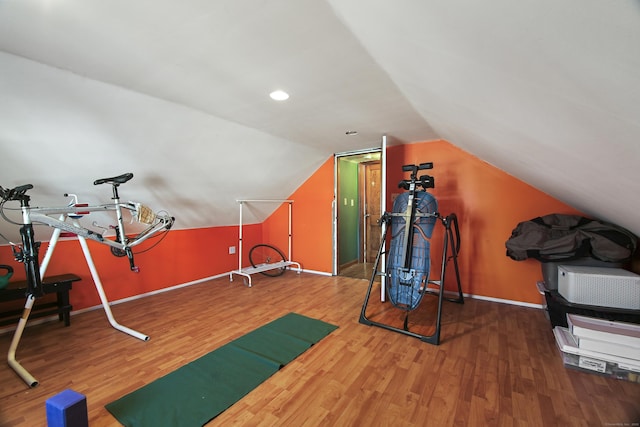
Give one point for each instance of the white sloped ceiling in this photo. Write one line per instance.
(177, 93)
(547, 91)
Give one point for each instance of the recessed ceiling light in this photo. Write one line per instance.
(279, 95)
(351, 132)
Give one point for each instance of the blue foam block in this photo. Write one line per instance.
(67, 409)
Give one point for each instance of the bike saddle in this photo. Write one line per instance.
(120, 179)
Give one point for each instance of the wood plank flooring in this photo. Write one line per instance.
(497, 364)
(359, 270)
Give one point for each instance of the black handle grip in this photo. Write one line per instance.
(17, 193)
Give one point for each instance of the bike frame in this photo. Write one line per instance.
(122, 242)
(68, 220)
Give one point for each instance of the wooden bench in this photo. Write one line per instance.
(16, 290)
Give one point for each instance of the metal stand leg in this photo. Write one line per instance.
(103, 297)
(452, 220)
(11, 355)
(451, 241)
(34, 274)
(363, 317)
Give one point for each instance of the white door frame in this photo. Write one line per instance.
(383, 192)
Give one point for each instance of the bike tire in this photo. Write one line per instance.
(266, 254)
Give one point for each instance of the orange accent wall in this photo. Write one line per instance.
(489, 203)
(183, 256)
(312, 225)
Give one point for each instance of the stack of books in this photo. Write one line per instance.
(607, 347)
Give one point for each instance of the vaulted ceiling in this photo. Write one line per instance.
(177, 93)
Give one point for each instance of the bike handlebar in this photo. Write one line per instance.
(425, 181)
(17, 193)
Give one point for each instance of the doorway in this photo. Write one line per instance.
(358, 211)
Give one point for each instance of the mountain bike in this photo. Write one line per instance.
(67, 219)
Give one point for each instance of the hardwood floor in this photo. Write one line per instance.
(497, 364)
(358, 271)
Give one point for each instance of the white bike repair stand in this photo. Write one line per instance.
(96, 281)
(11, 356)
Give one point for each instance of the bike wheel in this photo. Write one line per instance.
(262, 254)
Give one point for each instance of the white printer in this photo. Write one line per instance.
(599, 286)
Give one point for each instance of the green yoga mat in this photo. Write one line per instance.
(197, 392)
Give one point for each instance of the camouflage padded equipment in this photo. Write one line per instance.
(409, 260)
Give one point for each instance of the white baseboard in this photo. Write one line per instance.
(504, 301)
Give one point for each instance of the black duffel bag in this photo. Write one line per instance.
(561, 237)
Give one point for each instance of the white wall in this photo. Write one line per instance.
(60, 131)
